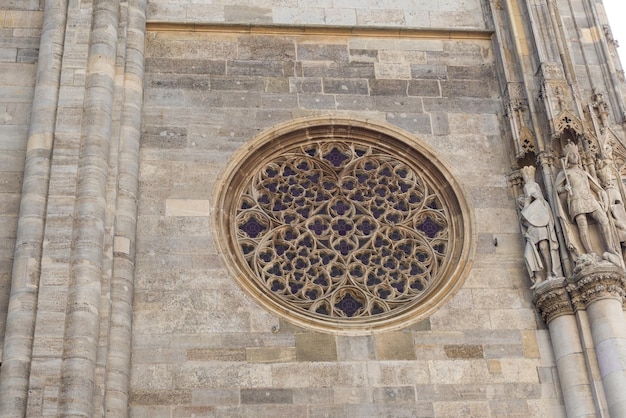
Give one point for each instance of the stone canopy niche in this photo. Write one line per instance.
(343, 225)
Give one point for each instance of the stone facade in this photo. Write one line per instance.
(121, 117)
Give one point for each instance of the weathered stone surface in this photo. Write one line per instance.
(266, 396)
(395, 346)
(315, 347)
(464, 351)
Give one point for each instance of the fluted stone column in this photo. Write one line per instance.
(122, 287)
(600, 290)
(20, 326)
(553, 303)
(83, 307)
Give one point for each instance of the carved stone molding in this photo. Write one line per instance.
(596, 282)
(552, 299)
(546, 158)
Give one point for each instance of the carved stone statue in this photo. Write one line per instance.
(580, 196)
(541, 251)
(608, 176)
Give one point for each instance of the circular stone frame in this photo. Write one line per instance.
(251, 158)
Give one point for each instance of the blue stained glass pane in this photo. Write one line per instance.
(366, 227)
(252, 227)
(335, 157)
(430, 227)
(322, 310)
(341, 207)
(247, 249)
(417, 285)
(349, 305)
(276, 286)
(398, 286)
(318, 227)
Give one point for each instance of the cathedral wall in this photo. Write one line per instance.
(20, 27)
(202, 346)
(465, 14)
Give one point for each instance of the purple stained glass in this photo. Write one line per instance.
(366, 227)
(430, 227)
(342, 227)
(341, 208)
(357, 224)
(335, 157)
(348, 305)
(344, 247)
(318, 227)
(252, 227)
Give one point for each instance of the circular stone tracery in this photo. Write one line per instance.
(343, 227)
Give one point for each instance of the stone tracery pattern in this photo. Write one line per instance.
(342, 229)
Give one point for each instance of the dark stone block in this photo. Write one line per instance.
(420, 71)
(160, 397)
(424, 88)
(363, 55)
(260, 68)
(322, 52)
(389, 87)
(266, 396)
(237, 83)
(176, 81)
(337, 69)
(468, 88)
(185, 66)
(398, 104)
(267, 48)
(475, 72)
(345, 86)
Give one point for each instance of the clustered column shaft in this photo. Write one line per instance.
(18, 345)
(82, 323)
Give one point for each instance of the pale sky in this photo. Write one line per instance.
(616, 11)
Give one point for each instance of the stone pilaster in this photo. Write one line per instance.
(20, 327)
(82, 327)
(553, 303)
(118, 364)
(600, 291)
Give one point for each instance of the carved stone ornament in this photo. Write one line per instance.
(566, 120)
(541, 253)
(339, 224)
(552, 299)
(580, 199)
(597, 281)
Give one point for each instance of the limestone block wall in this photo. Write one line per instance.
(20, 28)
(201, 346)
(391, 13)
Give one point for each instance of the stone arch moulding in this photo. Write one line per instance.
(343, 225)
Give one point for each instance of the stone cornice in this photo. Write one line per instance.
(294, 30)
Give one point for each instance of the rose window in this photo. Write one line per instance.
(341, 231)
